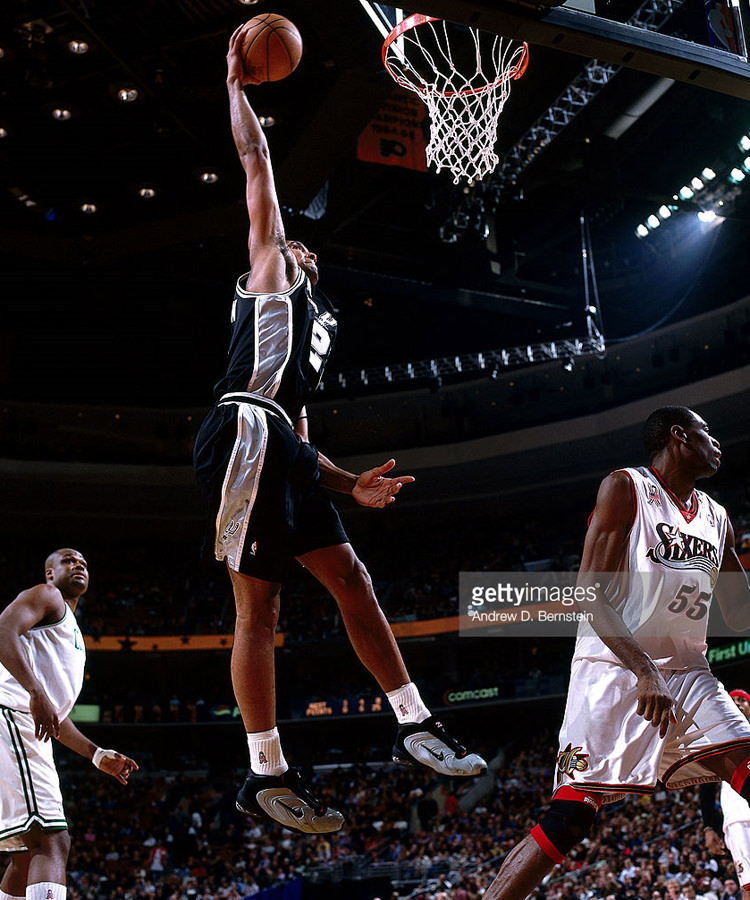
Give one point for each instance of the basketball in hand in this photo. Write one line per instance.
(271, 47)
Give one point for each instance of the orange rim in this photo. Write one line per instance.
(416, 19)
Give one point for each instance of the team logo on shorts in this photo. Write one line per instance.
(571, 760)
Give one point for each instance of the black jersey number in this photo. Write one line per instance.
(320, 344)
(693, 607)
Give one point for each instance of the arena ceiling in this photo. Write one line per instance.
(129, 302)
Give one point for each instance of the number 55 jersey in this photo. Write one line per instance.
(665, 584)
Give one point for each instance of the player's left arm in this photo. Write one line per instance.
(109, 761)
(370, 488)
(300, 426)
(732, 590)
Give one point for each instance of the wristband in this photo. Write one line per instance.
(99, 755)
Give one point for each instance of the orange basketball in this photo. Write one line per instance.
(271, 47)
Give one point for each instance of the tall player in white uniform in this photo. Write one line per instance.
(42, 658)
(642, 703)
(264, 485)
(734, 815)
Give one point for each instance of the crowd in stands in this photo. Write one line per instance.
(177, 836)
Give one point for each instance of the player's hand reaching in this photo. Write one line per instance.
(372, 489)
(655, 702)
(714, 843)
(116, 765)
(235, 67)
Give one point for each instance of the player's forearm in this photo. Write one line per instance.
(72, 738)
(334, 478)
(609, 626)
(246, 129)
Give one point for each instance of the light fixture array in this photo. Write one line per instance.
(712, 192)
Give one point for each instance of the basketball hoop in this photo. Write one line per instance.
(464, 109)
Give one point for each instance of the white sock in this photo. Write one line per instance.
(407, 704)
(46, 890)
(4, 896)
(266, 755)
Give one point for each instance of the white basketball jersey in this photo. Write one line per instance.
(663, 591)
(57, 656)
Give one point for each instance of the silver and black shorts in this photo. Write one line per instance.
(261, 484)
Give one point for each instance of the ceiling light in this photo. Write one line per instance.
(146, 192)
(653, 221)
(696, 183)
(267, 121)
(127, 94)
(3, 132)
(78, 47)
(665, 212)
(61, 114)
(641, 231)
(746, 163)
(737, 175)
(88, 208)
(744, 142)
(707, 215)
(209, 177)
(248, 2)
(686, 192)
(708, 173)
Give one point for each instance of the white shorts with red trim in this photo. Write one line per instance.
(737, 839)
(605, 746)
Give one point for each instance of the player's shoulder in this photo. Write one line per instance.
(45, 600)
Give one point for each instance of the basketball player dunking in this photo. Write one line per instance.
(264, 485)
(642, 703)
(42, 657)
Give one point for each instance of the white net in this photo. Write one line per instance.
(464, 103)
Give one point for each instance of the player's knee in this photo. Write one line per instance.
(56, 844)
(353, 577)
(566, 823)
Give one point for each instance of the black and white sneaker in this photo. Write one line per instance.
(284, 799)
(430, 744)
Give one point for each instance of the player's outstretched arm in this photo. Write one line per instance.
(732, 590)
(603, 551)
(371, 488)
(266, 227)
(35, 605)
(110, 761)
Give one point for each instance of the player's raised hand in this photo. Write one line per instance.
(372, 489)
(236, 70)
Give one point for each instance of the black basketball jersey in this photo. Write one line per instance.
(280, 344)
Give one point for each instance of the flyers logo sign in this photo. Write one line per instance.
(677, 550)
(572, 760)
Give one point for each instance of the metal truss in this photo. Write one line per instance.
(651, 15)
(467, 364)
